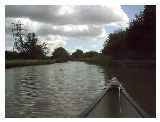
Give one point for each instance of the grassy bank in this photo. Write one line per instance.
(19, 63)
(98, 60)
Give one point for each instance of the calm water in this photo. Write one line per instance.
(56, 90)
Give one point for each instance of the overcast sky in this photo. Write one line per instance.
(72, 27)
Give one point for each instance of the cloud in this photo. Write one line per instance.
(70, 30)
(84, 26)
(8, 42)
(62, 15)
(43, 29)
(53, 42)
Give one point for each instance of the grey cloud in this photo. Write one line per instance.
(43, 29)
(90, 31)
(48, 17)
(81, 14)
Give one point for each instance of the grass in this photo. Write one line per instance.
(22, 62)
(98, 60)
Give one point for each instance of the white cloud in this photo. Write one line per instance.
(53, 42)
(61, 15)
(65, 10)
(43, 29)
(120, 24)
(58, 24)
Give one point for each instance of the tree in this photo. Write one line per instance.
(60, 54)
(11, 55)
(31, 48)
(77, 54)
(27, 45)
(142, 33)
(138, 41)
(116, 43)
(90, 54)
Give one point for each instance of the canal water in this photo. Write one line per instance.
(56, 90)
(62, 90)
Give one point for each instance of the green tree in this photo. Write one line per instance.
(138, 41)
(32, 49)
(90, 54)
(11, 55)
(77, 54)
(115, 43)
(60, 54)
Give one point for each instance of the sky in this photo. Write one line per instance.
(71, 27)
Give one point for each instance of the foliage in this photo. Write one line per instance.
(138, 41)
(11, 55)
(115, 43)
(60, 54)
(98, 60)
(32, 49)
(90, 54)
(77, 54)
(29, 49)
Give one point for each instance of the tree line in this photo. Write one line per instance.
(29, 48)
(138, 41)
(60, 54)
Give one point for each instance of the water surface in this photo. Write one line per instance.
(56, 90)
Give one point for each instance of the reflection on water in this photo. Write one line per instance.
(57, 90)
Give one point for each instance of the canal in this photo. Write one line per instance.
(58, 90)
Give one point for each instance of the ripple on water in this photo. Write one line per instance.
(58, 90)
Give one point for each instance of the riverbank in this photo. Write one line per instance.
(98, 60)
(22, 62)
